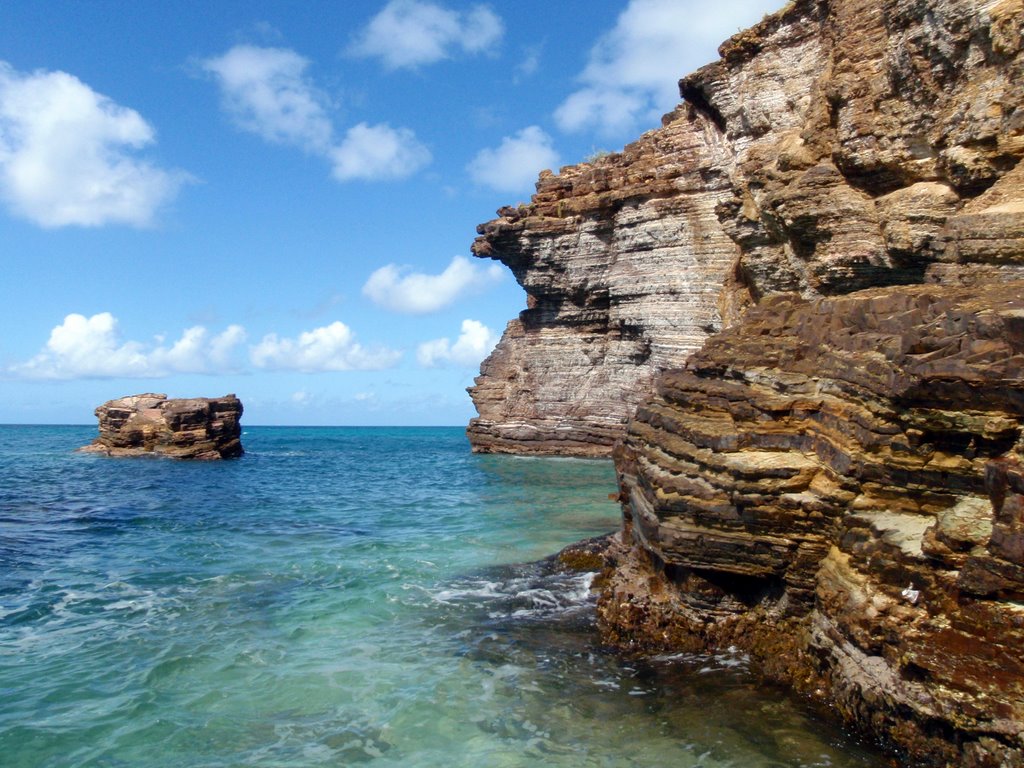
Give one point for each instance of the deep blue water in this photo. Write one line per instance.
(339, 596)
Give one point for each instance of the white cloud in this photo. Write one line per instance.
(267, 92)
(514, 165)
(474, 344)
(67, 154)
(409, 33)
(614, 111)
(378, 152)
(633, 70)
(91, 347)
(392, 287)
(330, 348)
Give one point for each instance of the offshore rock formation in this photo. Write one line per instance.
(839, 144)
(151, 425)
(837, 486)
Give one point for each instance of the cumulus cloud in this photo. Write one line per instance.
(378, 152)
(91, 347)
(513, 166)
(330, 348)
(395, 288)
(474, 344)
(68, 154)
(267, 92)
(410, 33)
(632, 71)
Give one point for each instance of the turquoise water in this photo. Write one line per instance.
(339, 597)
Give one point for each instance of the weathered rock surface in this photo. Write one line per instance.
(150, 424)
(838, 145)
(834, 482)
(837, 485)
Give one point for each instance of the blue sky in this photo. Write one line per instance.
(277, 199)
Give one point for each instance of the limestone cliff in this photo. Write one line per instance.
(150, 424)
(839, 144)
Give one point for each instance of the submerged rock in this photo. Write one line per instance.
(188, 428)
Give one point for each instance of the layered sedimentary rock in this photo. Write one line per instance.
(188, 428)
(835, 146)
(837, 485)
(834, 482)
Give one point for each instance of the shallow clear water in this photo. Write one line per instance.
(339, 597)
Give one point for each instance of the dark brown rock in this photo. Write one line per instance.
(837, 486)
(150, 424)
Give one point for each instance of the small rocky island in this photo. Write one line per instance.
(186, 428)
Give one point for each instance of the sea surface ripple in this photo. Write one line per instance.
(340, 596)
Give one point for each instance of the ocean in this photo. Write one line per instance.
(341, 596)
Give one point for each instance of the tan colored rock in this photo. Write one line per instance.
(833, 481)
(150, 424)
(834, 146)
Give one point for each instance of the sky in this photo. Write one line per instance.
(278, 199)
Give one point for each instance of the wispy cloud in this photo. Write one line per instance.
(329, 348)
(411, 33)
(474, 344)
(529, 64)
(513, 165)
(91, 347)
(397, 289)
(68, 155)
(268, 92)
(632, 71)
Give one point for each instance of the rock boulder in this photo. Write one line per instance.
(189, 428)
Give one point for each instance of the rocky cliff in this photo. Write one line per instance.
(835, 146)
(150, 424)
(835, 485)
(799, 305)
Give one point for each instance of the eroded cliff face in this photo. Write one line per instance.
(835, 146)
(835, 481)
(837, 486)
(185, 428)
